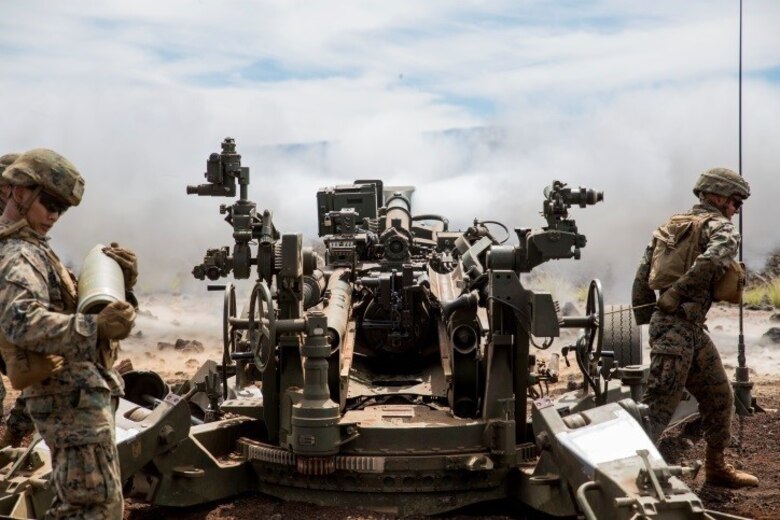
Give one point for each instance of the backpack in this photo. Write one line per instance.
(676, 248)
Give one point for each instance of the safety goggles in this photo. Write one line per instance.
(52, 203)
(736, 202)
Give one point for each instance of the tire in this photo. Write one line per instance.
(622, 335)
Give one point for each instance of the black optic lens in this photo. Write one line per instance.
(736, 202)
(52, 203)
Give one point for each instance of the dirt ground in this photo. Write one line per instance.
(165, 319)
(754, 449)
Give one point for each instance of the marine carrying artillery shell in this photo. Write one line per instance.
(100, 283)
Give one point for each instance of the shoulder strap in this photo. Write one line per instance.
(698, 224)
(64, 275)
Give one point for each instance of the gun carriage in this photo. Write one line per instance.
(395, 371)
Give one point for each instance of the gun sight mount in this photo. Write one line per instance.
(222, 171)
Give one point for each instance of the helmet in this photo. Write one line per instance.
(6, 161)
(722, 181)
(48, 169)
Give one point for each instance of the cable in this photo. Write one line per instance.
(497, 223)
(629, 307)
(445, 223)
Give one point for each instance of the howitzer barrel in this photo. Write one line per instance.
(339, 302)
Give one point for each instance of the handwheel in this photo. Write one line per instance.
(589, 344)
(261, 329)
(229, 332)
(499, 224)
(594, 310)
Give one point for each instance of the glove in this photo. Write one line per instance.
(124, 366)
(126, 260)
(670, 301)
(115, 321)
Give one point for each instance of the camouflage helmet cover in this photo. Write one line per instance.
(5, 162)
(48, 169)
(722, 181)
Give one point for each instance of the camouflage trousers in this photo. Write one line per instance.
(78, 427)
(682, 356)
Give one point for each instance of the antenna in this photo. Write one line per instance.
(743, 398)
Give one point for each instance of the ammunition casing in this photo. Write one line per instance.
(100, 283)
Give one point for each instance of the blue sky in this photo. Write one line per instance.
(634, 98)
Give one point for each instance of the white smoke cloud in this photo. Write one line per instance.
(633, 99)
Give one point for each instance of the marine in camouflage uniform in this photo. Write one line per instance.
(5, 160)
(18, 423)
(5, 188)
(72, 408)
(682, 355)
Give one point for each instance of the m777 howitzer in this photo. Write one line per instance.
(394, 374)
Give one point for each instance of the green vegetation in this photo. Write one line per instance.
(767, 293)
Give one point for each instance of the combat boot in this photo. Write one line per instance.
(720, 474)
(9, 438)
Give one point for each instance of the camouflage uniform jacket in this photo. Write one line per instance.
(37, 313)
(719, 244)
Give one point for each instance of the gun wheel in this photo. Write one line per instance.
(622, 335)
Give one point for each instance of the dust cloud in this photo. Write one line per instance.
(633, 100)
(644, 149)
